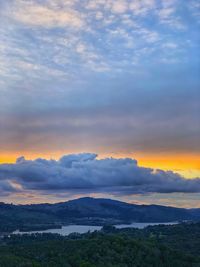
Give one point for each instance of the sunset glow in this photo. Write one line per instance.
(101, 83)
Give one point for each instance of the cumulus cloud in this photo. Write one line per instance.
(86, 173)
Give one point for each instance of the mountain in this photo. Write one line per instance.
(87, 211)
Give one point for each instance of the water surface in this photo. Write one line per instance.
(142, 225)
(81, 229)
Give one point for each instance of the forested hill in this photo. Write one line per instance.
(154, 246)
(87, 211)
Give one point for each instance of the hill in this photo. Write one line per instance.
(87, 210)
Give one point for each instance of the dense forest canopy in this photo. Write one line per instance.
(156, 246)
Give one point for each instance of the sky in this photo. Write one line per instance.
(100, 98)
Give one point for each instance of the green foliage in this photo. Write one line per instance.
(158, 246)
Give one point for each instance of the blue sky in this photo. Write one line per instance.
(117, 78)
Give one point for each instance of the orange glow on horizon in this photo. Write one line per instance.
(187, 165)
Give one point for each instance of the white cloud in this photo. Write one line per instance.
(170, 45)
(165, 13)
(194, 6)
(168, 3)
(35, 14)
(119, 6)
(85, 34)
(142, 7)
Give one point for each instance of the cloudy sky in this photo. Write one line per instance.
(115, 78)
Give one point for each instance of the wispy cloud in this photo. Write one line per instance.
(51, 15)
(73, 72)
(92, 23)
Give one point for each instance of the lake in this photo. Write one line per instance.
(81, 229)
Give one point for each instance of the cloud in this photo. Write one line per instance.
(168, 15)
(140, 8)
(45, 36)
(47, 16)
(119, 6)
(170, 45)
(6, 188)
(86, 173)
(125, 67)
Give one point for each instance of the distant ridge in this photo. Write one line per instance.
(87, 210)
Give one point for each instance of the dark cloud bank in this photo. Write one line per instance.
(85, 173)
